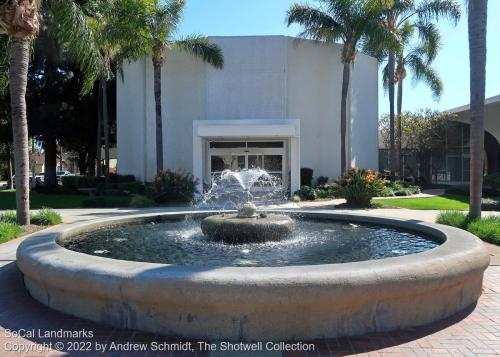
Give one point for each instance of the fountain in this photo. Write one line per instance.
(254, 276)
(246, 225)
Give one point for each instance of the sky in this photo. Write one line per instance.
(267, 17)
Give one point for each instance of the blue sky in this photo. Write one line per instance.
(266, 17)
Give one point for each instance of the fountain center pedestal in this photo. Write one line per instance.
(247, 226)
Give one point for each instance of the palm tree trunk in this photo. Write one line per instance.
(392, 146)
(18, 75)
(346, 81)
(399, 130)
(477, 55)
(9, 167)
(105, 117)
(99, 134)
(159, 123)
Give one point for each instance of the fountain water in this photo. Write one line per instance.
(246, 225)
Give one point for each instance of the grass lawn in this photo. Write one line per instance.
(446, 202)
(39, 200)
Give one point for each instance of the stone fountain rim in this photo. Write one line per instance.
(257, 303)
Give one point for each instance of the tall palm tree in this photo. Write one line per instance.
(20, 21)
(417, 59)
(396, 18)
(350, 21)
(157, 22)
(477, 21)
(115, 43)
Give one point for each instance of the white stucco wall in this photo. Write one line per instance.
(264, 77)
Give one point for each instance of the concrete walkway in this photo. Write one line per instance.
(475, 332)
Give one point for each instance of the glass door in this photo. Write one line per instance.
(235, 156)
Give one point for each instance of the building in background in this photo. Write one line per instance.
(274, 105)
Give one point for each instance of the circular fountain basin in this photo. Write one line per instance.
(235, 229)
(258, 303)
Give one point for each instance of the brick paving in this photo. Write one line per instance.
(475, 332)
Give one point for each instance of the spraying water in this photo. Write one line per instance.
(233, 188)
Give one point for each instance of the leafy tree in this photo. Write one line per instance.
(477, 20)
(424, 132)
(20, 21)
(156, 23)
(351, 21)
(57, 114)
(402, 18)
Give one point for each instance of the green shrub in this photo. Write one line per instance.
(46, 217)
(398, 188)
(463, 190)
(76, 182)
(115, 178)
(171, 186)
(306, 176)
(8, 217)
(139, 201)
(322, 181)
(106, 202)
(9, 231)
(296, 198)
(324, 192)
(488, 229)
(454, 219)
(306, 193)
(122, 188)
(358, 186)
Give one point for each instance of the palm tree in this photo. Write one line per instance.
(395, 19)
(157, 23)
(478, 15)
(115, 43)
(350, 21)
(20, 21)
(416, 59)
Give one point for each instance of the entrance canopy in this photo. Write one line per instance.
(208, 147)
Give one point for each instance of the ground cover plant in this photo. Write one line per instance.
(9, 229)
(487, 228)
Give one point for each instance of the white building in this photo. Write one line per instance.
(275, 104)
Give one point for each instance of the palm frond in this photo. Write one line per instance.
(430, 39)
(317, 24)
(69, 25)
(435, 9)
(201, 47)
(423, 72)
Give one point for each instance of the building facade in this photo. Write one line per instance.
(450, 164)
(274, 105)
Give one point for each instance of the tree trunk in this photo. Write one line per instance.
(399, 130)
(392, 145)
(99, 134)
(159, 123)
(82, 163)
(91, 160)
(477, 55)
(18, 75)
(346, 82)
(9, 167)
(105, 123)
(50, 175)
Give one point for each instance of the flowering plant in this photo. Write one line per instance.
(358, 186)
